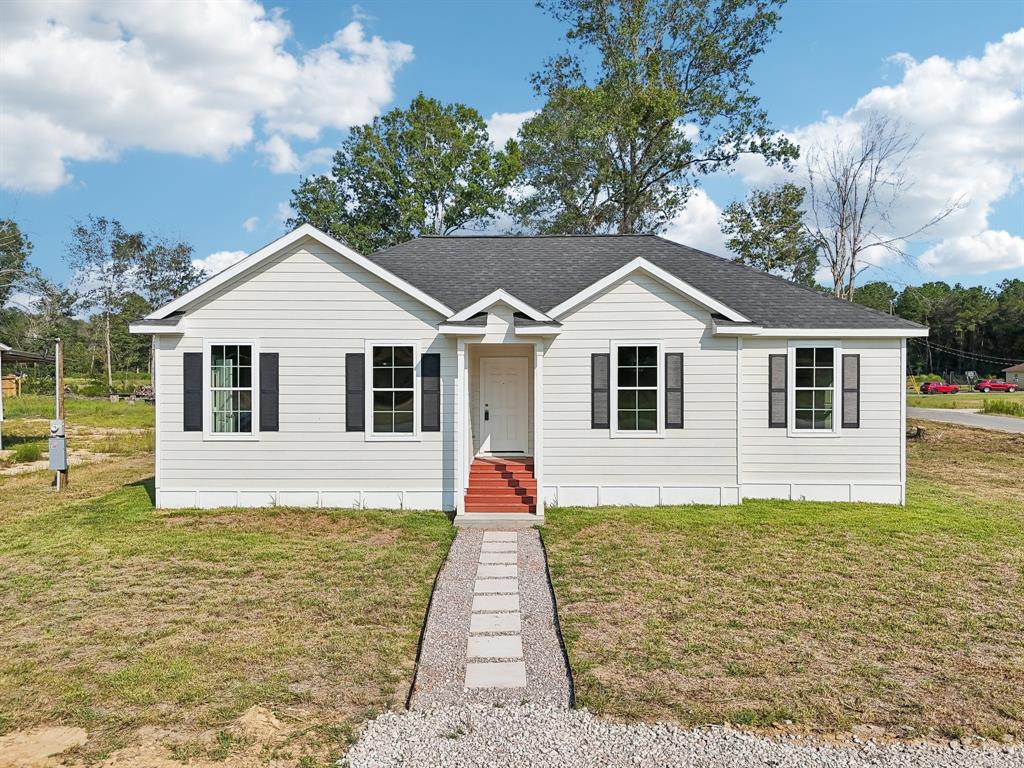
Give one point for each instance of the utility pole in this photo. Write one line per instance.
(58, 364)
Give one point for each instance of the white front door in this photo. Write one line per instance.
(504, 404)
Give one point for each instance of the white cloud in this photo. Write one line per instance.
(85, 81)
(697, 225)
(968, 115)
(280, 155)
(250, 224)
(503, 126)
(218, 261)
(990, 251)
(281, 158)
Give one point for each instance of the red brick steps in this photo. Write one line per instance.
(501, 485)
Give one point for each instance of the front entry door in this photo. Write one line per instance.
(504, 388)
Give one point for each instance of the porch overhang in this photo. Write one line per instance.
(522, 327)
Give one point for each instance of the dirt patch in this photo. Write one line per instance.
(39, 747)
(258, 723)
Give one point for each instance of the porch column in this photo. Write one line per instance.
(460, 427)
(538, 422)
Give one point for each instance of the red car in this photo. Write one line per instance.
(995, 385)
(939, 388)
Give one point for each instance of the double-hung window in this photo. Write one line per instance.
(814, 388)
(231, 389)
(393, 381)
(637, 386)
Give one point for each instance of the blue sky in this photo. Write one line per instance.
(104, 133)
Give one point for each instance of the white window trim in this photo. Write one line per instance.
(613, 391)
(391, 437)
(837, 403)
(231, 437)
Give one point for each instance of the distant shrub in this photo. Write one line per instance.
(1004, 407)
(25, 453)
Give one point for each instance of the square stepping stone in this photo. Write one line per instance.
(498, 546)
(496, 674)
(496, 571)
(491, 586)
(495, 603)
(500, 536)
(495, 647)
(495, 622)
(499, 557)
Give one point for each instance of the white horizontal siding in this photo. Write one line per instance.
(312, 307)
(868, 456)
(701, 454)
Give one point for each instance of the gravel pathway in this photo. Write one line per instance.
(555, 737)
(490, 635)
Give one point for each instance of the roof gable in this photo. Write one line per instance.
(495, 297)
(641, 265)
(273, 249)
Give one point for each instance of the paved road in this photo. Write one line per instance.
(968, 419)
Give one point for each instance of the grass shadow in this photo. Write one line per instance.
(149, 484)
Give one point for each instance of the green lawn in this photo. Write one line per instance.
(119, 618)
(85, 413)
(966, 399)
(828, 615)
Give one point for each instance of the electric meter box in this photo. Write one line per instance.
(58, 445)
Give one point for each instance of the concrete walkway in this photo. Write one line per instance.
(968, 419)
(491, 631)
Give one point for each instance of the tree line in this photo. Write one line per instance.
(118, 276)
(970, 328)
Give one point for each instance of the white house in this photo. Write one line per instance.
(502, 374)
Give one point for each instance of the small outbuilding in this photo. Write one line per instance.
(1014, 374)
(10, 356)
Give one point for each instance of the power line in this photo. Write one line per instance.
(952, 350)
(967, 355)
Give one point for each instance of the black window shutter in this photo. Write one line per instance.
(268, 392)
(192, 378)
(430, 398)
(851, 391)
(673, 390)
(599, 391)
(355, 392)
(777, 375)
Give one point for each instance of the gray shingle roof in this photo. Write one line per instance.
(544, 271)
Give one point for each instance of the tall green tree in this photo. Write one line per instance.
(104, 256)
(15, 249)
(426, 170)
(766, 231)
(652, 95)
(164, 271)
(1008, 320)
(877, 295)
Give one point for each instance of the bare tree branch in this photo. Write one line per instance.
(854, 188)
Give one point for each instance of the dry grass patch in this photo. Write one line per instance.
(831, 616)
(120, 619)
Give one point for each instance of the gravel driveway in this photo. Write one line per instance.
(553, 737)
